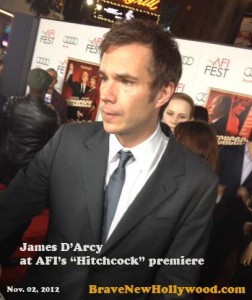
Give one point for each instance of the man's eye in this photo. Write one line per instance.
(127, 82)
(103, 78)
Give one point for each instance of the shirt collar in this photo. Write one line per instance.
(149, 147)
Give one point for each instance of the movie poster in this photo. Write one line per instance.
(81, 90)
(230, 114)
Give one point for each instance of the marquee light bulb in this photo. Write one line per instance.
(90, 2)
(99, 7)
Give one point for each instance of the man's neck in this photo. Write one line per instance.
(129, 141)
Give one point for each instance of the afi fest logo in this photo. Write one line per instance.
(47, 37)
(70, 41)
(218, 68)
(61, 67)
(187, 60)
(247, 73)
(93, 45)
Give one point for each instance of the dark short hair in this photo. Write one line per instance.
(200, 113)
(166, 64)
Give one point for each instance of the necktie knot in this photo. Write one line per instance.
(124, 157)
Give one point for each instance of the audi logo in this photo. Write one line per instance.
(43, 61)
(187, 60)
(248, 72)
(201, 97)
(70, 40)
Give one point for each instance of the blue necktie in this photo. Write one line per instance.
(113, 192)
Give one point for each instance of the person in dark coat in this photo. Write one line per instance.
(28, 124)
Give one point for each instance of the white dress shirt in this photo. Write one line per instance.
(83, 88)
(146, 157)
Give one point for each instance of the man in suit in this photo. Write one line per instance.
(236, 175)
(56, 99)
(164, 210)
(235, 171)
(239, 172)
(88, 113)
(79, 89)
(218, 113)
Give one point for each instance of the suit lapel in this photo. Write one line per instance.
(94, 159)
(164, 180)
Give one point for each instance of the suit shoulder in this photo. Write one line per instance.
(83, 129)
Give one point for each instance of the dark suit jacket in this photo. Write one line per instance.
(230, 172)
(220, 125)
(230, 167)
(170, 217)
(59, 103)
(230, 213)
(76, 87)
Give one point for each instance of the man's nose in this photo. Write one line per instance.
(108, 92)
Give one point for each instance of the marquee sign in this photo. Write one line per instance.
(112, 11)
(151, 5)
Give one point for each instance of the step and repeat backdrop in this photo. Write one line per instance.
(217, 77)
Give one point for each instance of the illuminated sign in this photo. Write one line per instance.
(112, 11)
(151, 5)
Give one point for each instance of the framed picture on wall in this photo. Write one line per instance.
(244, 35)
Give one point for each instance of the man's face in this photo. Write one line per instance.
(54, 77)
(126, 107)
(213, 108)
(84, 77)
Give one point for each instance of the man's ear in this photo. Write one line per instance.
(165, 94)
